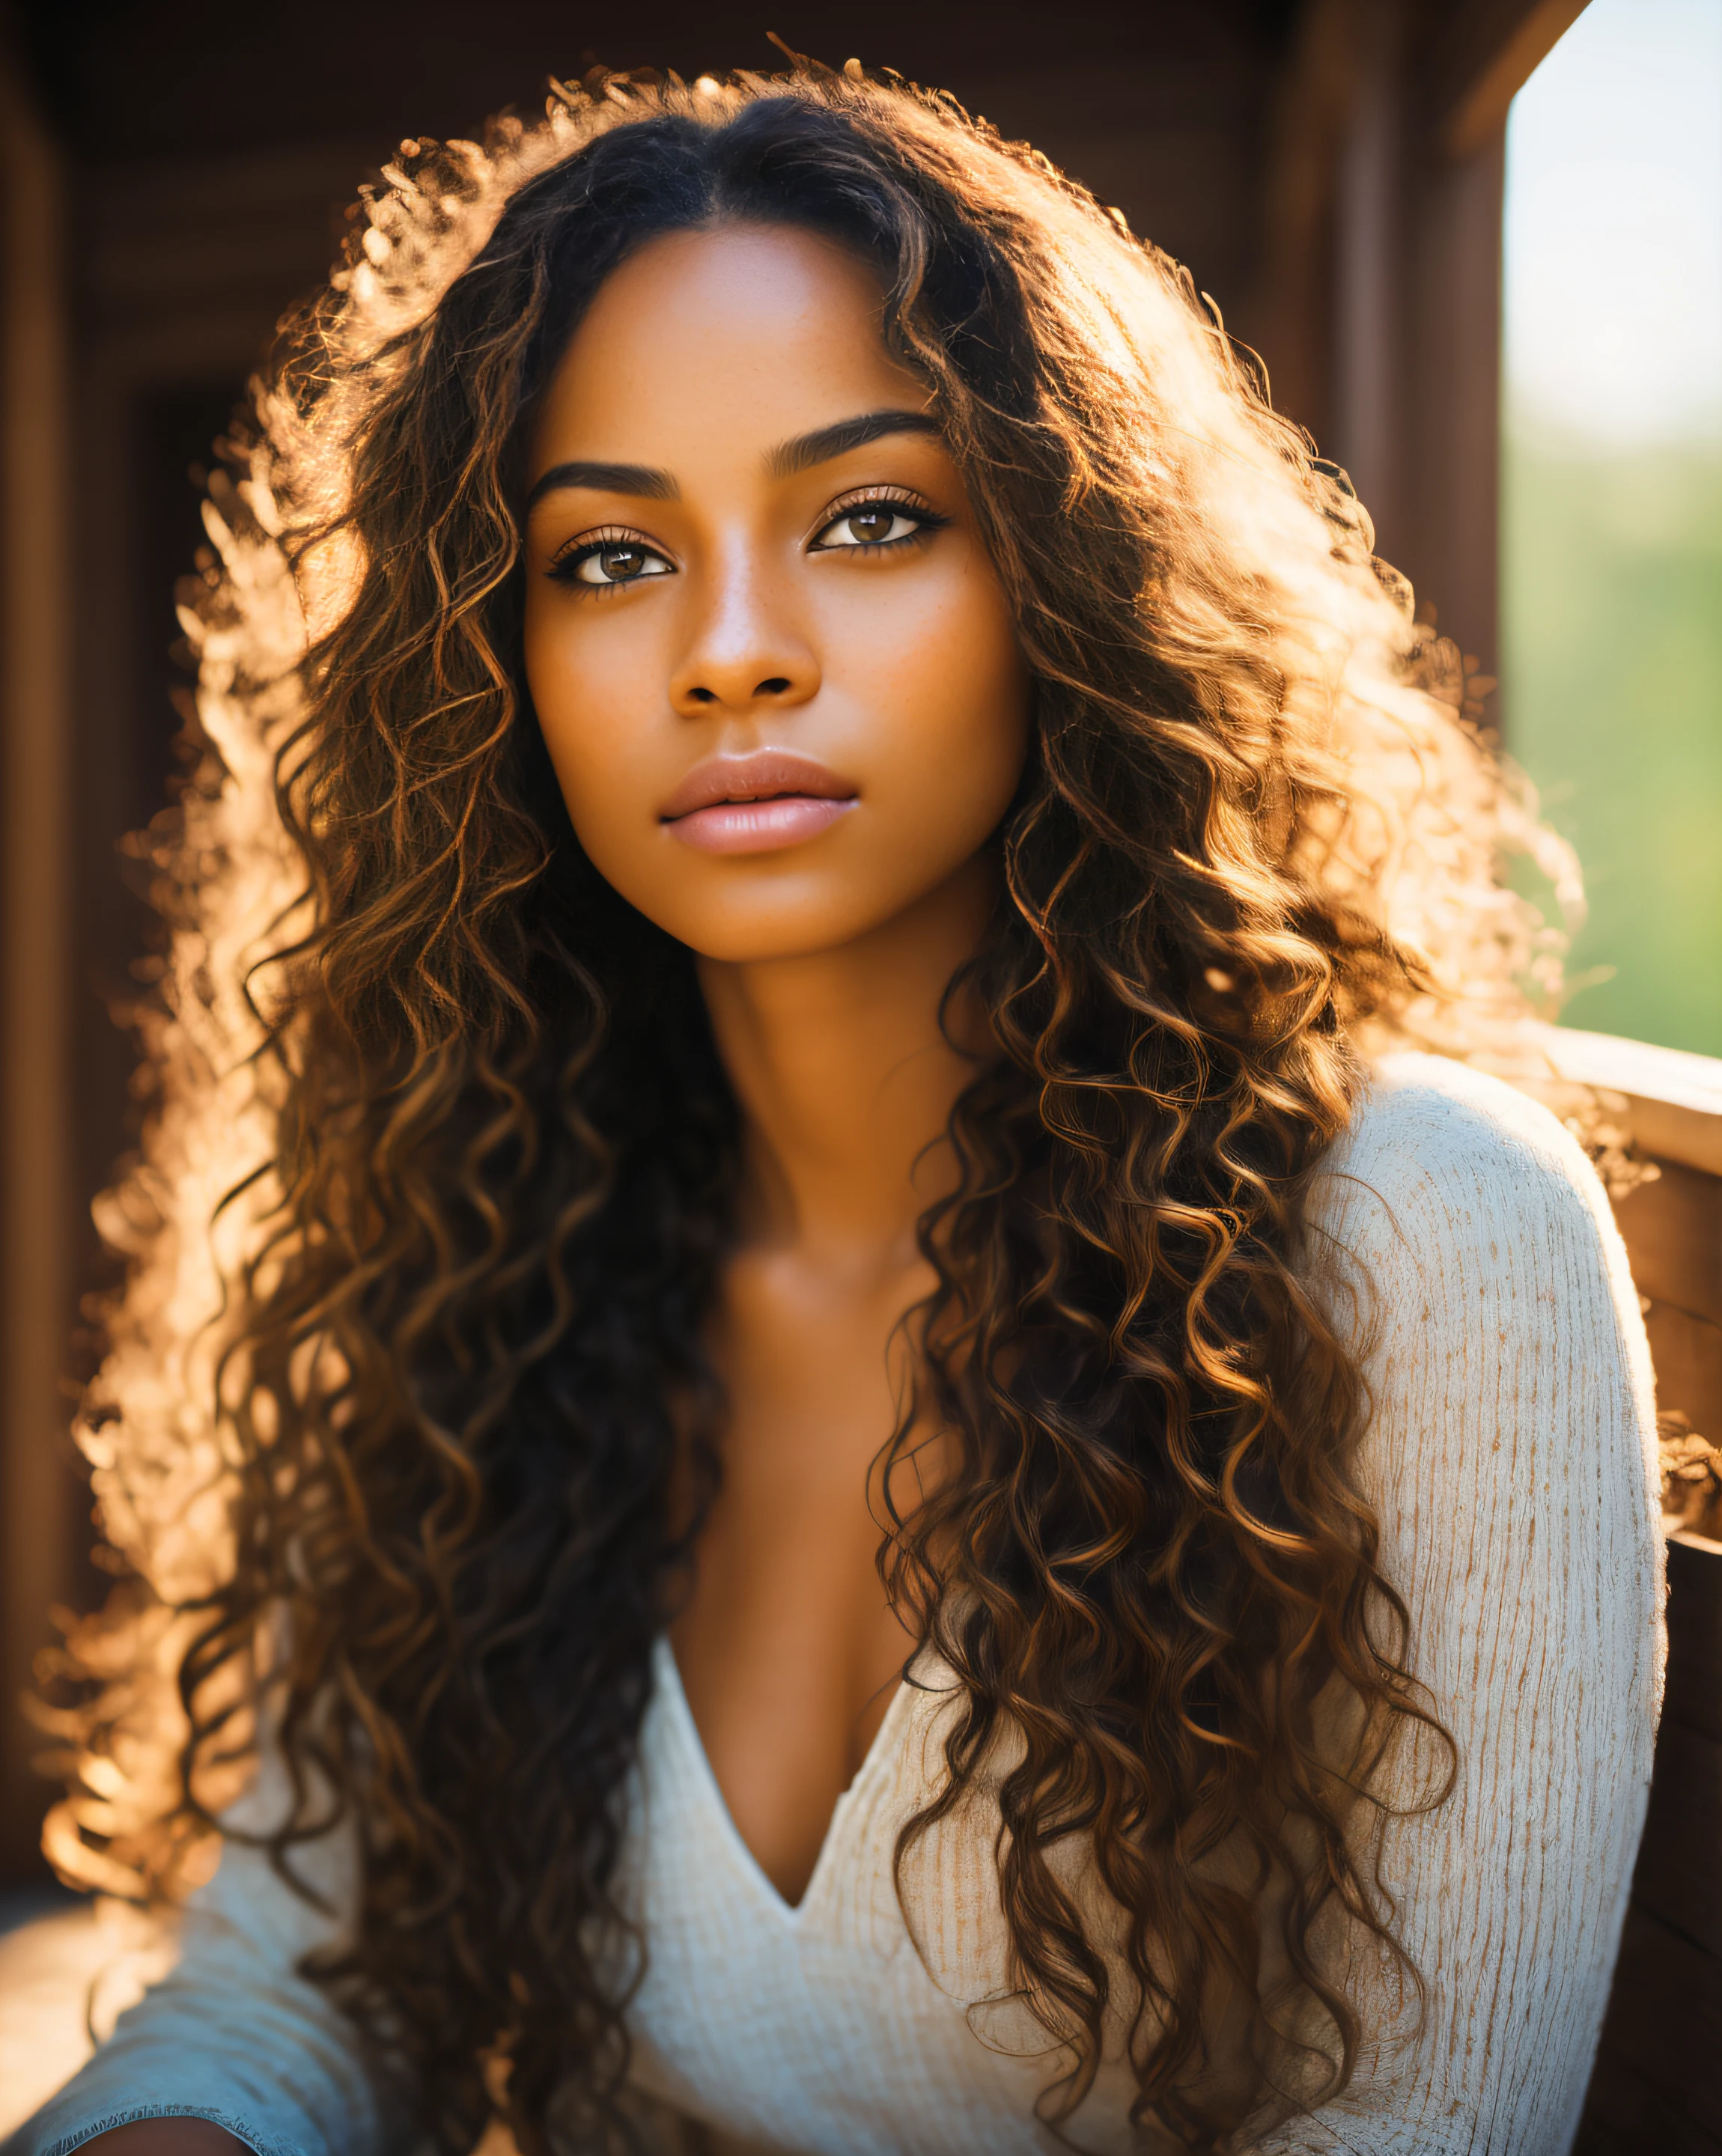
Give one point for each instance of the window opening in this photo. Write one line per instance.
(1612, 498)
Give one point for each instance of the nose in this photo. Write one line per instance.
(745, 655)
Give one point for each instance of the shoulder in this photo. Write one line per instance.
(1456, 1227)
(1460, 1238)
(1444, 1165)
(1427, 1117)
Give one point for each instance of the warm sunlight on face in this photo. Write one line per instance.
(773, 664)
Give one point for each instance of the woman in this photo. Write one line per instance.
(883, 1482)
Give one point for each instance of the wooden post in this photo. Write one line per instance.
(37, 1488)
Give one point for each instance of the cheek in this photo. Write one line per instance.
(922, 696)
(950, 697)
(588, 692)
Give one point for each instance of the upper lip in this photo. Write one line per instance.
(755, 777)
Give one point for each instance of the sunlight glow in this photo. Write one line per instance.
(1614, 228)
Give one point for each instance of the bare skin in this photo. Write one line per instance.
(168, 2137)
(730, 608)
(746, 619)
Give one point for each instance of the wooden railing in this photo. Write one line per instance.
(1657, 2084)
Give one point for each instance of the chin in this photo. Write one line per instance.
(793, 921)
(752, 940)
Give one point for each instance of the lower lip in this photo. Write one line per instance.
(757, 827)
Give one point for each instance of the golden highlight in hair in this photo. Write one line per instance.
(440, 1161)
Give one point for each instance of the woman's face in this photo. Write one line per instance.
(773, 667)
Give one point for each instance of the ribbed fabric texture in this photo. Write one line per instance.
(1459, 1231)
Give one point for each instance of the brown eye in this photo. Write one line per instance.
(618, 562)
(869, 526)
(876, 523)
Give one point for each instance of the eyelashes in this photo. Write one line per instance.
(604, 561)
(874, 520)
(892, 515)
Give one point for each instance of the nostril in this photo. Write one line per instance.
(775, 687)
(702, 696)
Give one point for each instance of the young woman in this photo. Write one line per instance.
(866, 1466)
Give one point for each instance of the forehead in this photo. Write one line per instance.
(739, 337)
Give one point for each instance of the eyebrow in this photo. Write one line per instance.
(799, 454)
(607, 478)
(824, 443)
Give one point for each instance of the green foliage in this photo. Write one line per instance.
(1611, 664)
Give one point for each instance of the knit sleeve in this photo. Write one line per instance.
(233, 2034)
(1510, 1455)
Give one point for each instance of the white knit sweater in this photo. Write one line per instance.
(1510, 1456)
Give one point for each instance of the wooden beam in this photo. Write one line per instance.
(1491, 52)
(1674, 1098)
(37, 1488)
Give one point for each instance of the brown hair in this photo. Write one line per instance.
(394, 1430)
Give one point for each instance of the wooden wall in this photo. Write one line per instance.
(41, 1501)
(1655, 2087)
(1331, 170)
(183, 171)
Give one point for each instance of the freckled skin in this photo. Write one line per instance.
(898, 668)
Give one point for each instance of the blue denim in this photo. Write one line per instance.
(233, 2035)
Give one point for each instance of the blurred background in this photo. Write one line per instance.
(1477, 243)
(1612, 497)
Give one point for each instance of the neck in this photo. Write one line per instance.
(845, 1079)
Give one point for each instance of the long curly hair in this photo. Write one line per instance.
(438, 1175)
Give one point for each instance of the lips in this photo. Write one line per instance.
(755, 804)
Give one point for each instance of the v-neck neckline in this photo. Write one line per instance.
(885, 1737)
